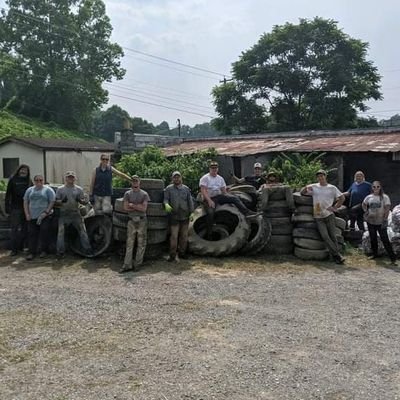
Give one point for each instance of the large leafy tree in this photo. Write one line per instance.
(307, 76)
(106, 123)
(61, 54)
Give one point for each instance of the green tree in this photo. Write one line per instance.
(238, 113)
(140, 125)
(309, 76)
(106, 123)
(62, 54)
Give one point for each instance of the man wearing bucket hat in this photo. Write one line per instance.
(255, 180)
(178, 203)
(327, 199)
(68, 198)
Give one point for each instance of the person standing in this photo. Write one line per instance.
(376, 208)
(324, 196)
(213, 191)
(255, 180)
(178, 203)
(101, 185)
(38, 205)
(17, 185)
(135, 203)
(357, 192)
(68, 198)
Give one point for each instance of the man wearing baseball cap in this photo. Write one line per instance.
(213, 191)
(255, 180)
(135, 203)
(68, 198)
(178, 203)
(327, 199)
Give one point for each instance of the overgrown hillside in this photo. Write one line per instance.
(13, 125)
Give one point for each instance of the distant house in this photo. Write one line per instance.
(52, 157)
(375, 151)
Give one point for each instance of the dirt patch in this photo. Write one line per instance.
(234, 328)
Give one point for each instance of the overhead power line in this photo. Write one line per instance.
(160, 105)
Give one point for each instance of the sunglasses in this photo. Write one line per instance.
(105, 159)
(213, 167)
(375, 187)
(38, 180)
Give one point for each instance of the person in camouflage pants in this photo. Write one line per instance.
(135, 203)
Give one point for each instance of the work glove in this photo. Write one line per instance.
(167, 208)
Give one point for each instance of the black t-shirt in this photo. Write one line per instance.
(255, 181)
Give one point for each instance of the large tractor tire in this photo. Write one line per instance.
(99, 230)
(311, 255)
(238, 234)
(250, 189)
(260, 233)
(249, 200)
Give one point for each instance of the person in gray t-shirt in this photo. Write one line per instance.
(135, 203)
(68, 198)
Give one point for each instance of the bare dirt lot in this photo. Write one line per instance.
(275, 328)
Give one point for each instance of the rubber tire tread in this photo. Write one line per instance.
(302, 200)
(256, 244)
(229, 245)
(311, 255)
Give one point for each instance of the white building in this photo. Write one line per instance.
(52, 157)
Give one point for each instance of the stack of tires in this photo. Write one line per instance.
(307, 240)
(157, 220)
(277, 206)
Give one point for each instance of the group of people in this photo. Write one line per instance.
(367, 202)
(31, 206)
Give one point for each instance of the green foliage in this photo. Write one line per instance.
(310, 76)
(298, 169)
(12, 125)
(106, 123)
(152, 163)
(55, 55)
(3, 185)
(238, 114)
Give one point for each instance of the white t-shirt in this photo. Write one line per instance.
(323, 198)
(214, 184)
(376, 208)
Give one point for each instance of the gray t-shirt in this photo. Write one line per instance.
(38, 199)
(69, 195)
(136, 197)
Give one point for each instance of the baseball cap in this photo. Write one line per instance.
(257, 165)
(213, 164)
(321, 172)
(70, 173)
(270, 173)
(175, 173)
(135, 178)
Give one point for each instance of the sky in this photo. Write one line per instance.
(211, 34)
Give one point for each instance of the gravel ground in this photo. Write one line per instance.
(201, 329)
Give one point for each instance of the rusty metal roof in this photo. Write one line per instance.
(382, 141)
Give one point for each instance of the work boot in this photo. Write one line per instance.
(124, 268)
(29, 257)
(339, 259)
(171, 258)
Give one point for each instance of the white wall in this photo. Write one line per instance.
(58, 162)
(26, 155)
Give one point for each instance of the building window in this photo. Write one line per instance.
(9, 166)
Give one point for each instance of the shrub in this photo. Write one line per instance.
(152, 163)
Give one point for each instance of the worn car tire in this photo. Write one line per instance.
(306, 225)
(304, 210)
(260, 233)
(249, 200)
(99, 230)
(281, 225)
(279, 244)
(243, 188)
(277, 212)
(302, 200)
(311, 255)
(340, 223)
(310, 244)
(306, 233)
(302, 218)
(226, 246)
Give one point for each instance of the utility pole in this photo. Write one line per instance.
(179, 126)
(225, 80)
